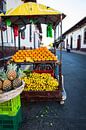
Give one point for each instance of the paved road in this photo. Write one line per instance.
(53, 116)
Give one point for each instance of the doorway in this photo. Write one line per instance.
(66, 43)
(78, 42)
(71, 42)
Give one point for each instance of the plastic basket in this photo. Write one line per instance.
(10, 123)
(10, 107)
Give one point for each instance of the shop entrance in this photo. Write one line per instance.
(71, 42)
(78, 42)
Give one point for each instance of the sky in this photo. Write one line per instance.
(75, 10)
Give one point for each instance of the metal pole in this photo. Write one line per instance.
(58, 30)
(19, 41)
(11, 36)
(30, 33)
(54, 40)
(15, 42)
(2, 46)
(34, 40)
(60, 65)
(7, 35)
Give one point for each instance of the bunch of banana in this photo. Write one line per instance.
(40, 82)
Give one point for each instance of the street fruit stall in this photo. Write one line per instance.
(42, 82)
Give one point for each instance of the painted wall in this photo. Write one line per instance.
(74, 35)
(26, 42)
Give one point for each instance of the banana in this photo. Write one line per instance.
(40, 82)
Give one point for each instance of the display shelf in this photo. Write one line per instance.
(56, 95)
(42, 95)
(37, 62)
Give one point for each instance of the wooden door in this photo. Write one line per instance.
(71, 43)
(78, 42)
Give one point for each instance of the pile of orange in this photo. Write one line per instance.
(39, 54)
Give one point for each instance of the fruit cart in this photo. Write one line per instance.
(39, 14)
(41, 67)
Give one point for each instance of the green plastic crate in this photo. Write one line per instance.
(11, 122)
(10, 107)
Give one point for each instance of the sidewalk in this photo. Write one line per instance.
(77, 51)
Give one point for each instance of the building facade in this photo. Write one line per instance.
(8, 35)
(75, 37)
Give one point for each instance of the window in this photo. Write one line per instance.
(2, 6)
(85, 36)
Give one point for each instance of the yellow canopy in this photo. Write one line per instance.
(32, 8)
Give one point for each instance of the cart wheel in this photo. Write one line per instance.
(62, 102)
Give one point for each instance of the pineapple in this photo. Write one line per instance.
(11, 71)
(6, 85)
(17, 82)
(2, 73)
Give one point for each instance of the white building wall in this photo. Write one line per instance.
(26, 42)
(83, 45)
(75, 35)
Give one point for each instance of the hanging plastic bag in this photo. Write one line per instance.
(49, 30)
(8, 22)
(15, 29)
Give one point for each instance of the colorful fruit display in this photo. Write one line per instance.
(39, 54)
(40, 82)
(10, 79)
